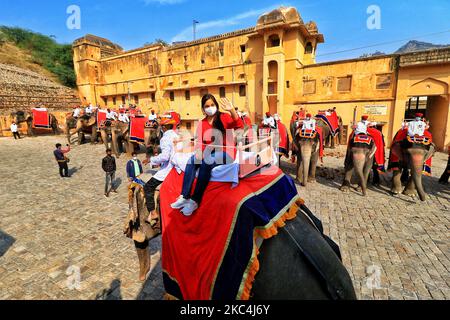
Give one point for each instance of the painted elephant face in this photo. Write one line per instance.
(308, 145)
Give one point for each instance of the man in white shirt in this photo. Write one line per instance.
(89, 110)
(163, 160)
(123, 117)
(417, 127)
(269, 120)
(111, 115)
(361, 127)
(76, 112)
(15, 131)
(153, 116)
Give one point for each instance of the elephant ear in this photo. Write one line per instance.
(396, 150)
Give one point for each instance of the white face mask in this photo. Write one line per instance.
(211, 111)
(135, 158)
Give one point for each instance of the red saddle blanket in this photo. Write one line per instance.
(377, 137)
(41, 119)
(283, 146)
(212, 255)
(394, 161)
(137, 129)
(101, 117)
(331, 120)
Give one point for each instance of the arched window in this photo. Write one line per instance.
(274, 41)
(309, 48)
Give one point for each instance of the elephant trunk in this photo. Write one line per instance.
(417, 161)
(115, 143)
(359, 160)
(306, 161)
(67, 129)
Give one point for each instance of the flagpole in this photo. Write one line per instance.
(195, 22)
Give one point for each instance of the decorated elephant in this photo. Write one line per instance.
(120, 133)
(83, 125)
(105, 130)
(299, 263)
(307, 147)
(152, 137)
(411, 154)
(360, 158)
(27, 117)
(334, 130)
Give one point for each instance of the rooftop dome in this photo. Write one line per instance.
(282, 14)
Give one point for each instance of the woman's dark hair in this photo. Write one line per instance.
(217, 123)
(58, 145)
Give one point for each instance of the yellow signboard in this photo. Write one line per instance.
(375, 110)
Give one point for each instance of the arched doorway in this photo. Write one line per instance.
(272, 91)
(431, 98)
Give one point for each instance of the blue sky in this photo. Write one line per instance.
(133, 23)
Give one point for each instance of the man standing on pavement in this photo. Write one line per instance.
(60, 156)
(134, 170)
(15, 131)
(109, 166)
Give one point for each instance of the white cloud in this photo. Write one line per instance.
(187, 33)
(163, 2)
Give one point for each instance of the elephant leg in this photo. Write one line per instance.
(396, 182)
(346, 185)
(313, 167)
(367, 168)
(360, 165)
(410, 189)
(94, 135)
(130, 148)
(376, 176)
(333, 142)
(144, 263)
(405, 176)
(299, 169)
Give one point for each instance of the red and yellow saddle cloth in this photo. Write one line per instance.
(41, 119)
(137, 129)
(101, 118)
(427, 139)
(331, 120)
(212, 255)
(377, 137)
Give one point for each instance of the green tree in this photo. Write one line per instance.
(45, 51)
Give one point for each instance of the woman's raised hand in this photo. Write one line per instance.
(226, 104)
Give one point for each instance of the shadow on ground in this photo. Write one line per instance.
(6, 242)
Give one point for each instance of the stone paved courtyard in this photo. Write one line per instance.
(50, 228)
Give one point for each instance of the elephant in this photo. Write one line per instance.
(360, 158)
(83, 125)
(27, 117)
(152, 138)
(299, 263)
(412, 156)
(106, 134)
(328, 139)
(120, 132)
(307, 152)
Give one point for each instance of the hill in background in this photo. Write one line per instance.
(415, 45)
(39, 53)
